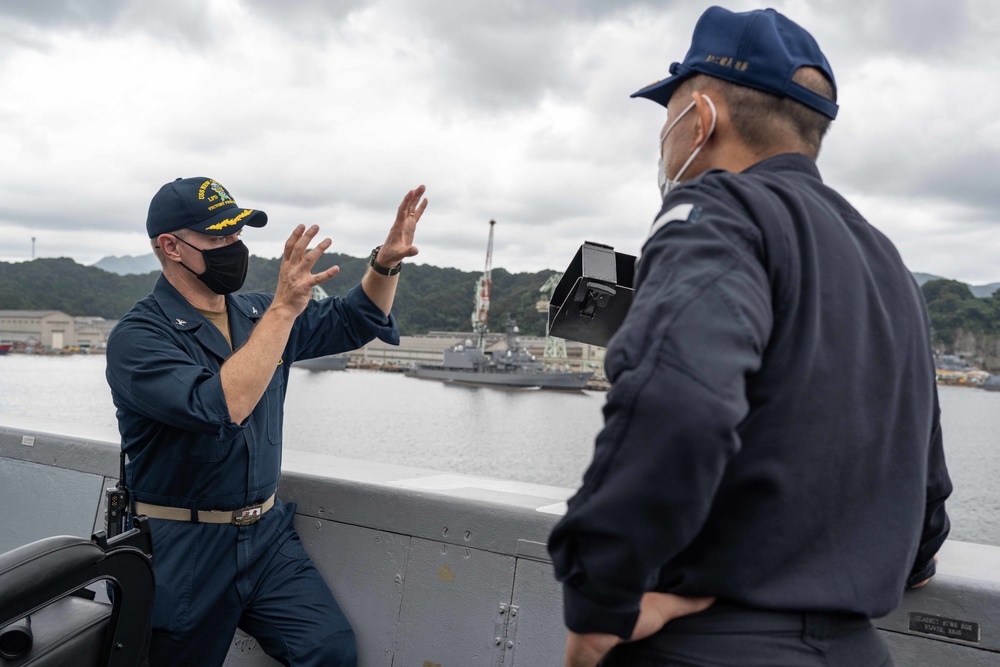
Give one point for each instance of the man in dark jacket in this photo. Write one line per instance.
(198, 375)
(772, 439)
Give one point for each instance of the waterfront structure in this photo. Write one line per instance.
(92, 332)
(52, 329)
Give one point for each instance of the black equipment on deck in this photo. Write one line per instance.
(594, 295)
(45, 580)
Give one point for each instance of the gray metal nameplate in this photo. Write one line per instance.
(952, 628)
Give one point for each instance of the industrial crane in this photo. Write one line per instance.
(481, 315)
(555, 348)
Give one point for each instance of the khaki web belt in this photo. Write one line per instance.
(241, 517)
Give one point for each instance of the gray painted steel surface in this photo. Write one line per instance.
(436, 569)
(65, 502)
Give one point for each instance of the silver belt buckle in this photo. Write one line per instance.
(247, 515)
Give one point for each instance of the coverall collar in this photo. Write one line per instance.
(185, 317)
(786, 162)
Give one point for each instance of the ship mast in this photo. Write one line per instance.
(481, 314)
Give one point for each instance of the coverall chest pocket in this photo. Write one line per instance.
(274, 399)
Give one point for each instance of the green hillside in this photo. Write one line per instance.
(62, 284)
(953, 308)
(429, 298)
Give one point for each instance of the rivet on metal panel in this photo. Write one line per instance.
(319, 524)
(444, 548)
(503, 608)
(445, 531)
(497, 640)
(467, 553)
(513, 612)
(510, 644)
(321, 510)
(378, 538)
(468, 535)
(398, 578)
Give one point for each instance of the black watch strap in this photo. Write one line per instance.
(378, 268)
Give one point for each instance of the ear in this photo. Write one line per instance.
(706, 109)
(168, 245)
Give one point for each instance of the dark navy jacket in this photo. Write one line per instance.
(771, 436)
(163, 367)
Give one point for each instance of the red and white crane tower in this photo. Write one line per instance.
(481, 315)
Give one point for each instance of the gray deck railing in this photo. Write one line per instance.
(437, 569)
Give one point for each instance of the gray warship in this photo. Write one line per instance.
(512, 368)
(331, 362)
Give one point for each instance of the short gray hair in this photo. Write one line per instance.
(157, 251)
(760, 119)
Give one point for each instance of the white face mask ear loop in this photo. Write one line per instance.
(697, 150)
(666, 131)
(664, 183)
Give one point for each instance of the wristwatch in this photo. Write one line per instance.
(378, 268)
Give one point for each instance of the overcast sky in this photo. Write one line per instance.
(326, 112)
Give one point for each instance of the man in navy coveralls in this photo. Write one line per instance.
(198, 375)
(770, 475)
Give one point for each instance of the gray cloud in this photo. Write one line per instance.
(316, 20)
(500, 55)
(181, 21)
(487, 54)
(327, 111)
(969, 178)
(65, 13)
(913, 27)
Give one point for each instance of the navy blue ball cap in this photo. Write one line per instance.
(200, 204)
(760, 49)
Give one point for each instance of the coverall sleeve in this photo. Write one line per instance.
(936, 522)
(337, 325)
(696, 329)
(152, 376)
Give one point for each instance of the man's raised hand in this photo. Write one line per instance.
(399, 243)
(295, 278)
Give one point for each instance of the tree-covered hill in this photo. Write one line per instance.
(963, 323)
(977, 290)
(429, 298)
(62, 284)
(953, 308)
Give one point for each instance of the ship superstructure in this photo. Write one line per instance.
(511, 368)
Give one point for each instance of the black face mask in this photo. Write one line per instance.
(225, 267)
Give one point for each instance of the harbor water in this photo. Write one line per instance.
(530, 436)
